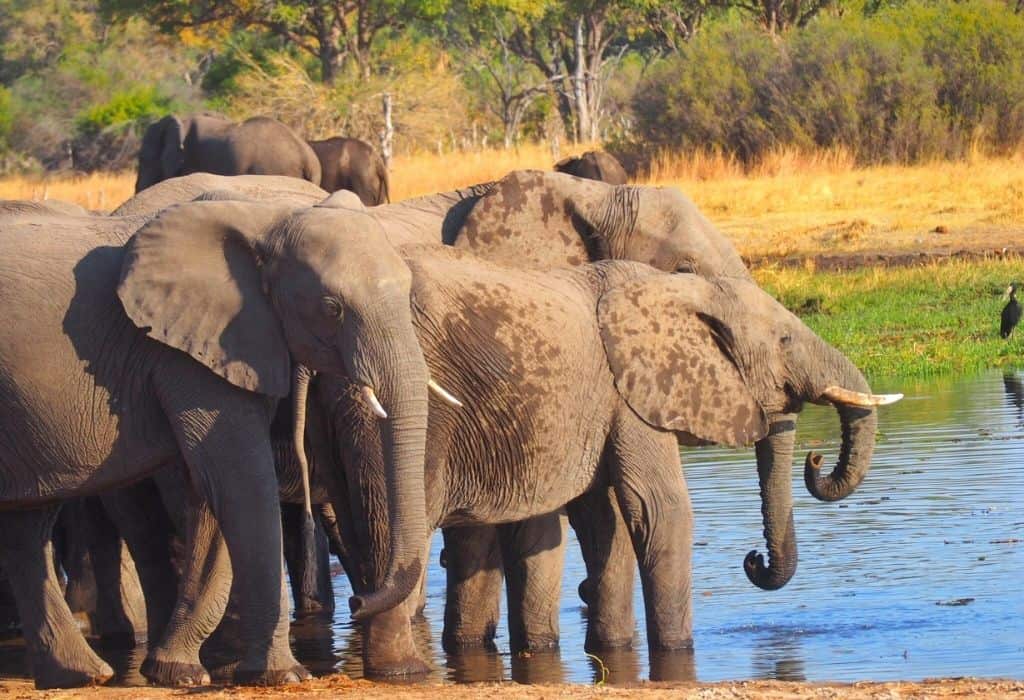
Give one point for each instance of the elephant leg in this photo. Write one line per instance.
(608, 554)
(472, 562)
(321, 600)
(223, 434)
(534, 555)
(655, 504)
(389, 641)
(101, 585)
(203, 597)
(57, 651)
(143, 523)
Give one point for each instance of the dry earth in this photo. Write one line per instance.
(766, 690)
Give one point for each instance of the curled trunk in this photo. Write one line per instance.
(774, 471)
(858, 442)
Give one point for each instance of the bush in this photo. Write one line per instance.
(6, 118)
(916, 81)
(124, 110)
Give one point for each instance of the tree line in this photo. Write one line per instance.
(888, 79)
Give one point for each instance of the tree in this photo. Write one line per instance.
(332, 31)
(779, 15)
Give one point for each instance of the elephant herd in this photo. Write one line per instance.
(235, 367)
(209, 143)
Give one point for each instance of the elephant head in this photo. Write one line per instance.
(250, 289)
(542, 219)
(720, 361)
(162, 154)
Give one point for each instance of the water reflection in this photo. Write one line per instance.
(916, 575)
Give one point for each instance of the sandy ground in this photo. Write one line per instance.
(767, 690)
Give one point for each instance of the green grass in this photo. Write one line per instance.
(941, 318)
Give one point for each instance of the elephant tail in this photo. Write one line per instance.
(301, 376)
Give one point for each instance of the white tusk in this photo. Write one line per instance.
(371, 398)
(837, 394)
(445, 396)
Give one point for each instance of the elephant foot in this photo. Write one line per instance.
(50, 673)
(175, 674)
(669, 645)
(458, 644)
(410, 666)
(269, 677)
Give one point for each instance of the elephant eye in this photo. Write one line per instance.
(331, 307)
(686, 268)
(786, 339)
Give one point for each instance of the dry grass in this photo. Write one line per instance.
(790, 203)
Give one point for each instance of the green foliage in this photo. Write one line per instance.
(907, 322)
(6, 119)
(899, 84)
(138, 106)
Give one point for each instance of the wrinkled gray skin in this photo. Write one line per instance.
(538, 219)
(351, 164)
(109, 319)
(206, 143)
(262, 188)
(534, 219)
(712, 361)
(594, 165)
(22, 207)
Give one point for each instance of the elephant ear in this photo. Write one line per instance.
(191, 278)
(172, 152)
(673, 361)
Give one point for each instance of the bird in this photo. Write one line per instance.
(1011, 312)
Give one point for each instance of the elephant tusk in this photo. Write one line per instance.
(445, 396)
(837, 394)
(371, 399)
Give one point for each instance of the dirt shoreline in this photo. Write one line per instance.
(853, 260)
(764, 690)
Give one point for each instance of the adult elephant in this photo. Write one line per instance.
(539, 219)
(176, 344)
(352, 164)
(208, 143)
(534, 219)
(621, 357)
(594, 165)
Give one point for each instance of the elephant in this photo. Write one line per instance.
(538, 219)
(24, 207)
(535, 219)
(351, 164)
(594, 165)
(564, 382)
(209, 143)
(185, 188)
(171, 343)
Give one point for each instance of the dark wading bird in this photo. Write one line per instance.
(1011, 312)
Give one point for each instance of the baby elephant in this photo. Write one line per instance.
(567, 381)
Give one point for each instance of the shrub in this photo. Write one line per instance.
(910, 82)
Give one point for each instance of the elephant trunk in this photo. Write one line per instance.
(402, 409)
(774, 465)
(301, 377)
(859, 424)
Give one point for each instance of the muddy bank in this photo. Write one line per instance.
(842, 261)
(768, 690)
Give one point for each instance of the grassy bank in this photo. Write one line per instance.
(940, 318)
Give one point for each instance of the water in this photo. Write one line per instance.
(916, 575)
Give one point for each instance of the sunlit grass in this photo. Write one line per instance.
(922, 321)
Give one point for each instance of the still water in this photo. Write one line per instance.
(918, 574)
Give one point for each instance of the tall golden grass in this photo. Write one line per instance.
(789, 203)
